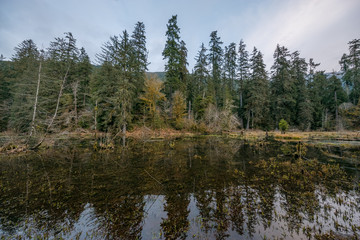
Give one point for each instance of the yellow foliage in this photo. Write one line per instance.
(178, 108)
(153, 94)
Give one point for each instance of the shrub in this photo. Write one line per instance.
(283, 126)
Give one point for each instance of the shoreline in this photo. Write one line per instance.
(15, 143)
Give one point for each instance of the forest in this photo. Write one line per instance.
(59, 88)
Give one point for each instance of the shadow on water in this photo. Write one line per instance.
(211, 188)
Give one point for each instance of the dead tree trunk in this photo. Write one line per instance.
(56, 109)
(75, 86)
(35, 104)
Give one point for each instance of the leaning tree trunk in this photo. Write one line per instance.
(56, 109)
(35, 103)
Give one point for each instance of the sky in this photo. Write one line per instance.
(319, 29)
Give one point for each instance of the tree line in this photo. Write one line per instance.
(58, 88)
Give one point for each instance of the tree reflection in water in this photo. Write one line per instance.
(211, 188)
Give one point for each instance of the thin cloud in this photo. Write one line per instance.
(317, 28)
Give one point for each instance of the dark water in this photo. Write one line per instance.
(210, 188)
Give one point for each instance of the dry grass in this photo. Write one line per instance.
(147, 133)
(257, 134)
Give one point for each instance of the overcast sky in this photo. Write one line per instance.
(319, 29)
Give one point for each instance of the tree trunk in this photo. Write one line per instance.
(75, 90)
(35, 104)
(241, 106)
(189, 110)
(95, 117)
(337, 127)
(56, 109)
(252, 119)
(248, 120)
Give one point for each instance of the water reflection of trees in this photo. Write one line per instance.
(235, 185)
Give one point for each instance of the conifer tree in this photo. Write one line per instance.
(242, 78)
(283, 100)
(230, 68)
(335, 95)
(215, 60)
(116, 81)
(257, 94)
(303, 105)
(26, 64)
(316, 94)
(350, 65)
(6, 97)
(201, 72)
(138, 39)
(173, 55)
(200, 82)
(183, 71)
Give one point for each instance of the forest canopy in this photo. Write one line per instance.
(229, 87)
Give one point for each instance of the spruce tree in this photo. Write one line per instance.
(173, 55)
(257, 93)
(58, 86)
(6, 97)
(116, 82)
(242, 78)
(316, 93)
(303, 105)
(138, 39)
(200, 78)
(283, 99)
(350, 65)
(26, 64)
(215, 60)
(183, 71)
(230, 68)
(201, 72)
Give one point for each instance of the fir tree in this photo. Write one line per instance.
(230, 68)
(282, 87)
(257, 95)
(138, 40)
(6, 97)
(173, 56)
(215, 60)
(26, 64)
(303, 105)
(350, 64)
(200, 81)
(242, 78)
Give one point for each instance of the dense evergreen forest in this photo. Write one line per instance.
(58, 88)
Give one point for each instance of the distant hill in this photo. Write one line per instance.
(161, 75)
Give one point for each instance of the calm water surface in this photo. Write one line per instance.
(211, 188)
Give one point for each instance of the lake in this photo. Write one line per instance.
(200, 188)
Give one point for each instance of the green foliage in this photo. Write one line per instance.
(283, 125)
(216, 60)
(257, 92)
(6, 96)
(26, 64)
(226, 89)
(175, 54)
